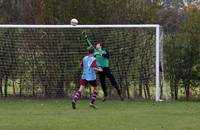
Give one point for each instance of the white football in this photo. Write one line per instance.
(74, 22)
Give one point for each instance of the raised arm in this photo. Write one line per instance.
(87, 41)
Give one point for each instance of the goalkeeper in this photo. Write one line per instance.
(102, 57)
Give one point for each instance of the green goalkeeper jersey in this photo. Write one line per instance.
(101, 55)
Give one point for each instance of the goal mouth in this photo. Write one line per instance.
(46, 57)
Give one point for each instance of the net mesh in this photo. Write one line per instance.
(45, 62)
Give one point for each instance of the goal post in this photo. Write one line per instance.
(157, 63)
(155, 27)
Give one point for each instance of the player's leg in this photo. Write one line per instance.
(77, 94)
(95, 94)
(108, 73)
(102, 79)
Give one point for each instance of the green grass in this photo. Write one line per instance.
(19, 114)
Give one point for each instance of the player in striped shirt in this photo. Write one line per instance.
(89, 67)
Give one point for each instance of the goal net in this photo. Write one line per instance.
(43, 60)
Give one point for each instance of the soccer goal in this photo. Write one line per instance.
(44, 59)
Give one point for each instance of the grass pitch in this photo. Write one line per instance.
(51, 114)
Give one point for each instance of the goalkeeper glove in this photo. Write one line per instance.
(84, 34)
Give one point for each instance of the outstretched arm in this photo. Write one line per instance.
(87, 41)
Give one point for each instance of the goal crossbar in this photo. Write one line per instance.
(81, 26)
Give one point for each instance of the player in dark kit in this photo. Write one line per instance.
(88, 76)
(102, 56)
